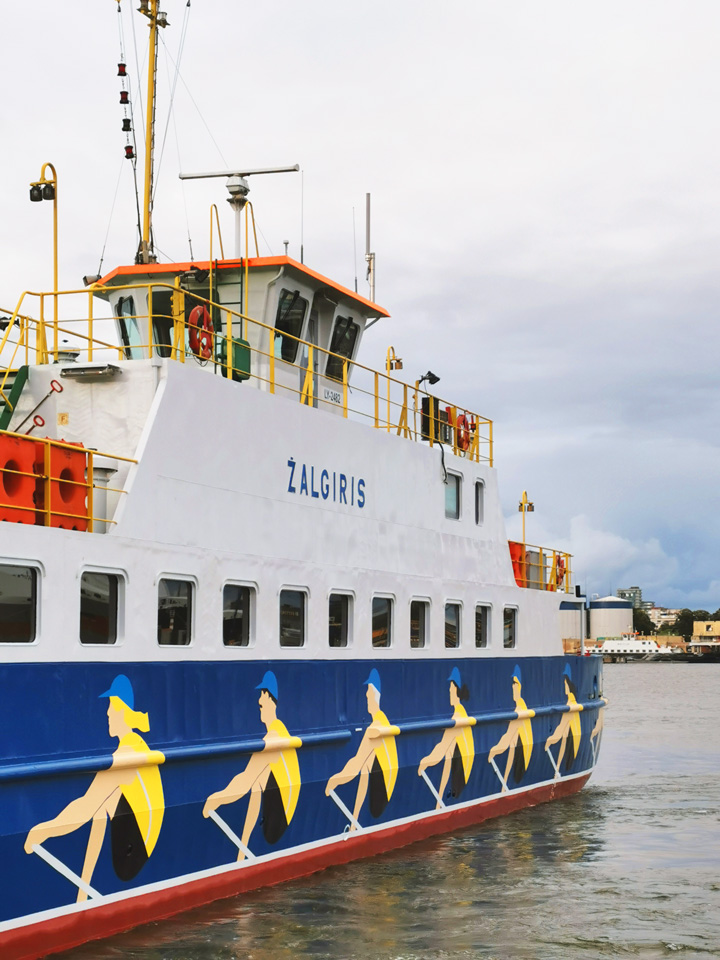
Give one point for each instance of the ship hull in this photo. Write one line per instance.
(206, 728)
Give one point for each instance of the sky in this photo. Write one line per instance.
(545, 217)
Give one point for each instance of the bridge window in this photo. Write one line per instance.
(343, 342)
(238, 610)
(419, 614)
(292, 618)
(339, 614)
(99, 607)
(509, 627)
(175, 602)
(482, 625)
(381, 621)
(479, 502)
(288, 324)
(452, 496)
(130, 332)
(452, 624)
(18, 603)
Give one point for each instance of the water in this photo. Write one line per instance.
(630, 867)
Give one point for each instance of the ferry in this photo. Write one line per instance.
(259, 614)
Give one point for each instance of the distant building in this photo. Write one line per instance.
(633, 594)
(663, 616)
(706, 628)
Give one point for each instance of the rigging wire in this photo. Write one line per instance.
(199, 111)
(112, 211)
(173, 87)
(132, 126)
(137, 67)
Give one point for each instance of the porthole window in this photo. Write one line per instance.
(452, 497)
(238, 613)
(99, 594)
(339, 617)
(381, 621)
(419, 619)
(452, 624)
(18, 603)
(175, 603)
(292, 618)
(509, 627)
(482, 626)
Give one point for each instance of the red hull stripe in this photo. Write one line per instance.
(71, 930)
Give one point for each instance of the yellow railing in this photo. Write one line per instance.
(51, 483)
(541, 569)
(242, 348)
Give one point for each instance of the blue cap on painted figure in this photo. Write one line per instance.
(373, 680)
(122, 689)
(567, 672)
(455, 677)
(269, 683)
(517, 675)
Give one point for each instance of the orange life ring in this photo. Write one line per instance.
(462, 431)
(559, 570)
(201, 332)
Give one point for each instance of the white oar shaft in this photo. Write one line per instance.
(548, 751)
(230, 834)
(495, 768)
(65, 871)
(428, 781)
(345, 810)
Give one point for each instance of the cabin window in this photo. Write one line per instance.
(292, 618)
(452, 497)
(509, 627)
(99, 607)
(482, 626)
(175, 600)
(238, 609)
(339, 613)
(130, 332)
(344, 338)
(479, 502)
(18, 603)
(288, 324)
(452, 624)
(419, 617)
(381, 621)
(163, 326)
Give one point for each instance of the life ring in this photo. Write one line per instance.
(201, 332)
(559, 571)
(462, 432)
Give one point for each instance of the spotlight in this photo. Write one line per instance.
(48, 191)
(430, 377)
(35, 193)
(91, 278)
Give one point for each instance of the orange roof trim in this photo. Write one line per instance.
(148, 269)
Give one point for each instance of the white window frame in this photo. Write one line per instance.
(481, 484)
(489, 617)
(455, 603)
(186, 578)
(393, 613)
(350, 594)
(40, 575)
(516, 611)
(121, 604)
(252, 624)
(295, 588)
(427, 603)
(459, 478)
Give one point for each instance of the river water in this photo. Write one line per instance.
(630, 867)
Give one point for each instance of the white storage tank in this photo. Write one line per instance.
(610, 617)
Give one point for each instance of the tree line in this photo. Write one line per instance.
(681, 627)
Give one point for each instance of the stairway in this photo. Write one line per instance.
(14, 384)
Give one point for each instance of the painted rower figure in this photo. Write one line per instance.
(129, 794)
(456, 748)
(520, 732)
(376, 760)
(271, 777)
(569, 730)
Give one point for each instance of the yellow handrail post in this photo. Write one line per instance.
(228, 344)
(272, 362)
(377, 400)
(150, 316)
(345, 388)
(307, 391)
(453, 429)
(90, 325)
(46, 468)
(90, 490)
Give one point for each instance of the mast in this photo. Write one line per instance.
(149, 9)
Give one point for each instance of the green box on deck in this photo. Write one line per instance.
(240, 359)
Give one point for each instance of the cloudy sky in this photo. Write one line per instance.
(546, 219)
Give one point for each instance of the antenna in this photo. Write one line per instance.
(369, 257)
(238, 188)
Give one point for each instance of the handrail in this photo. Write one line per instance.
(360, 389)
(541, 568)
